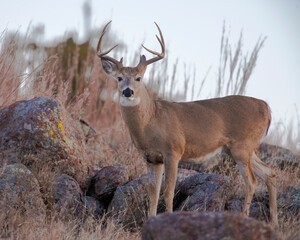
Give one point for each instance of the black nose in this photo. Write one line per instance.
(128, 92)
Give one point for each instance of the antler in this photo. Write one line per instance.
(102, 55)
(163, 49)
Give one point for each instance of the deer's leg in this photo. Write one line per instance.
(243, 157)
(155, 176)
(171, 166)
(268, 175)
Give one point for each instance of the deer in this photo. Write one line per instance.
(167, 133)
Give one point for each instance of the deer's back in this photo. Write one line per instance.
(209, 124)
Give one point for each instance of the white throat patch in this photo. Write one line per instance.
(129, 102)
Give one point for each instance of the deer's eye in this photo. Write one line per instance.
(138, 79)
(120, 79)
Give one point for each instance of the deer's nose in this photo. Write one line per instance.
(128, 92)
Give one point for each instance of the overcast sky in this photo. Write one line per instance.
(192, 31)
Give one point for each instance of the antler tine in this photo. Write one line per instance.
(102, 54)
(163, 50)
(160, 33)
(102, 34)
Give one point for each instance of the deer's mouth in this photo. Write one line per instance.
(129, 101)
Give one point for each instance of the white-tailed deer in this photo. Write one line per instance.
(169, 132)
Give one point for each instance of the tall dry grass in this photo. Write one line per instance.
(55, 229)
(235, 67)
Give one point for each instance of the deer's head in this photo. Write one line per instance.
(130, 79)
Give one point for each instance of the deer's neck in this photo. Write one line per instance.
(137, 117)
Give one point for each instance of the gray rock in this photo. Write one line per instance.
(206, 226)
(130, 203)
(67, 198)
(279, 157)
(182, 174)
(289, 203)
(40, 132)
(106, 181)
(93, 207)
(201, 192)
(20, 196)
(258, 209)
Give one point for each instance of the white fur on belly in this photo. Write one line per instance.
(129, 102)
(208, 160)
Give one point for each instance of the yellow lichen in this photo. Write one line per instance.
(61, 127)
(51, 133)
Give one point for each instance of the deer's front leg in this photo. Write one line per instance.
(171, 166)
(155, 177)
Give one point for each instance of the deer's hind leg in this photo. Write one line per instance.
(268, 175)
(242, 156)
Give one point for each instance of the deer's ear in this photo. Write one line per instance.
(110, 68)
(142, 66)
(142, 59)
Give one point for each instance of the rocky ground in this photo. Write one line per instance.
(46, 174)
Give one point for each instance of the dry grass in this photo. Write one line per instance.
(286, 133)
(55, 229)
(113, 146)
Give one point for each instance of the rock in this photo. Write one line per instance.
(182, 174)
(40, 132)
(269, 150)
(106, 181)
(201, 192)
(279, 157)
(93, 207)
(130, 203)
(20, 198)
(206, 226)
(289, 203)
(67, 198)
(258, 209)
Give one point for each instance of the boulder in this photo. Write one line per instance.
(93, 207)
(130, 203)
(20, 196)
(258, 209)
(279, 157)
(201, 192)
(182, 174)
(106, 181)
(67, 198)
(40, 132)
(206, 226)
(289, 203)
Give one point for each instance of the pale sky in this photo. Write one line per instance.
(192, 31)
